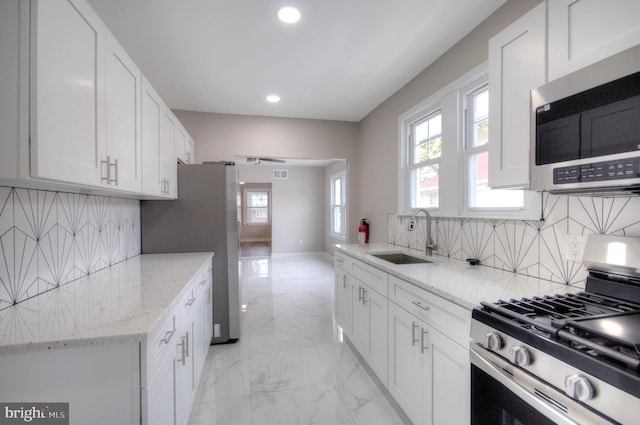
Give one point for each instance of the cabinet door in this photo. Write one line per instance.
(185, 374)
(582, 32)
(359, 317)
(168, 161)
(450, 380)
(517, 64)
(208, 310)
(160, 394)
(342, 302)
(152, 112)
(123, 92)
(405, 362)
(181, 144)
(376, 306)
(68, 88)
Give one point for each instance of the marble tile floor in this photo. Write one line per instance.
(291, 365)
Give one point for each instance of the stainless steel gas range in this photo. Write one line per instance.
(565, 359)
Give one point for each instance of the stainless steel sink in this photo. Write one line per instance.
(400, 258)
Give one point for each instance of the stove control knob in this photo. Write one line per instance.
(492, 341)
(578, 387)
(519, 356)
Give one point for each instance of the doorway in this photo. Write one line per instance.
(255, 212)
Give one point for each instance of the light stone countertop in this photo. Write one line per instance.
(454, 280)
(117, 304)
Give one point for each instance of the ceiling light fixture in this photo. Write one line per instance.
(273, 98)
(289, 15)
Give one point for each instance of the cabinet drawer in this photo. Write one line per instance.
(449, 318)
(342, 261)
(374, 278)
(161, 339)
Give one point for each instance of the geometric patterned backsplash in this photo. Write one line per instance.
(530, 247)
(48, 239)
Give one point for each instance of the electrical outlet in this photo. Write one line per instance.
(575, 247)
(216, 330)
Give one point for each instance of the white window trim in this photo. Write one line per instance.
(342, 175)
(246, 207)
(452, 157)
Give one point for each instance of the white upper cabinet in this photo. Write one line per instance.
(582, 32)
(158, 150)
(71, 106)
(123, 121)
(517, 64)
(68, 43)
(184, 144)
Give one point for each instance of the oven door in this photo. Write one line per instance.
(502, 394)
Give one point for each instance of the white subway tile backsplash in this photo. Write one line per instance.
(49, 238)
(535, 248)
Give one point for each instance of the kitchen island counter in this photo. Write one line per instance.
(454, 280)
(121, 303)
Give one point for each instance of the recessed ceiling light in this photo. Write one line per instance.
(273, 98)
(289, 15)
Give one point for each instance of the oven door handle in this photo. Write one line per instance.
(502, 377)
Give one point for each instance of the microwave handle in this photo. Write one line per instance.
(500, 376)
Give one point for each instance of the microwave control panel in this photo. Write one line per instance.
(598, 171)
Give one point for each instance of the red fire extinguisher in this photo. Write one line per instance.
(363, 231)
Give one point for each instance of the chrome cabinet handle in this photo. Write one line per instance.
(364, 296)
(187, 346)
(418, 304)
(115, 167)
(202, 282)
(167, 336)
(340, 260)
(423, 347)
(344, 281)
(359, 293)
(106, 162)
(414, 327)
(190, 302)
(182, 358)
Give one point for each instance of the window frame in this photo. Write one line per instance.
(342, 176)
(408, 167)
(245, 207)
(453, 172)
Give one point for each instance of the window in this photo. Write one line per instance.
(257, 207)
(478, 194)
(338, 203)
(425, 150)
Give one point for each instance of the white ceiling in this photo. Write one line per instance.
(339, 62)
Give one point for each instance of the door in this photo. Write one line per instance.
(68, 42)
(517, 64)
(376, 306)
(123, 121)
(152, 183)
(161, 408)
(343, 301)
(359, 316)
(405, 362)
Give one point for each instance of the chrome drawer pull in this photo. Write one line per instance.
(423, 347)
(414, 327)
(364, 296)
(418, 304)
(107, 179)
(202, 282)
(190, 302)
(167, 336)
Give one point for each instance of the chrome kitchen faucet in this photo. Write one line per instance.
(429, 246)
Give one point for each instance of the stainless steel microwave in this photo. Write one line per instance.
(585, 129)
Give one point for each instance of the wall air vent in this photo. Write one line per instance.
(281, 174)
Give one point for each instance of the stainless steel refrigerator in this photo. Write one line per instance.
(203, 218)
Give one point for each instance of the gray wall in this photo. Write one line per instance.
(224, 137)
(298, 206)
(378, 147)
(370, 147)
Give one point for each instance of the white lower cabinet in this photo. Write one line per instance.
(175, 355)
(160, 393)
(428, 372)
(414, 341)
(369, 326)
